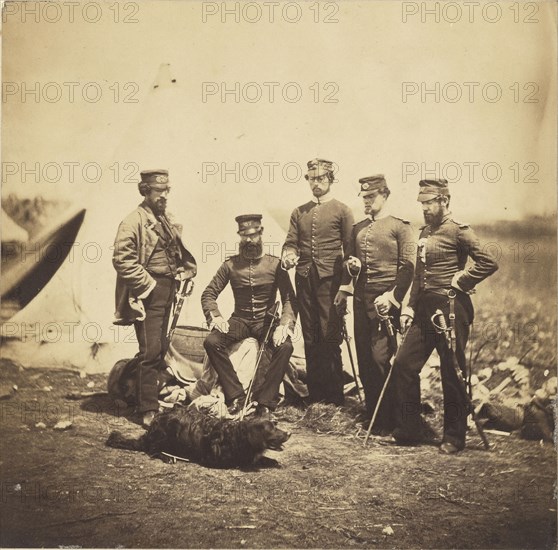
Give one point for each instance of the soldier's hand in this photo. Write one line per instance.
(455, 280)
(181, 274)
(340, 302)
(406, 321)
(383, 305)
(280, 335)
(289, 260)
(220, 324)
(354, 265)
(140, 308)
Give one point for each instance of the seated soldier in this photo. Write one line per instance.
(255, 278)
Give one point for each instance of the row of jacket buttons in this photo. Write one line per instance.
(251, 289)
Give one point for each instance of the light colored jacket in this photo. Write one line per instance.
(135, 241)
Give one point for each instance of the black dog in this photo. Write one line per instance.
(211, 441)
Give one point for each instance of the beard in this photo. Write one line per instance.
(433, 219)
(159, 207)
(251, 250)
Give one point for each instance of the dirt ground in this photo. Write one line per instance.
(64, 488)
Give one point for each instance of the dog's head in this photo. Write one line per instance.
(266, 435)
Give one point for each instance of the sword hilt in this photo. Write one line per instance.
(386, 319)
(439, 322)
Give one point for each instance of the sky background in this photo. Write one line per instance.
(365, 53)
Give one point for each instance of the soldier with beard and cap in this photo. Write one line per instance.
(255, 278)
(318, 235)
(379, 266)
(444, 247)
(150, 259)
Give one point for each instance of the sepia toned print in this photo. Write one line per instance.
(377, 182)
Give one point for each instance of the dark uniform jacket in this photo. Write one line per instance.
(442, 252)
(137, 237)
(254, 283)
(318, 233)
(386, 249)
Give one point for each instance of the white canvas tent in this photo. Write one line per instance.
(11, 232)
(68, 323)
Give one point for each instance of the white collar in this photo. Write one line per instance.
(326, 198)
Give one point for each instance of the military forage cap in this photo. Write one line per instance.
(319, 167)
(156, 179)
(249, 224)
(372, 184)
(431, 189)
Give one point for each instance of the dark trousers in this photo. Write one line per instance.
(374, 353)
(321, 330)
(418, 344)
(151, 335)
(216, 345)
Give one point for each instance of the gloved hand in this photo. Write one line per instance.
(181, 274)
(383, 304)
(281, 333)
(220, 324)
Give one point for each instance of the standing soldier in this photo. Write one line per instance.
(380, 257)
(255, 278)
(149, 258)
(443, 249)
(319, 232)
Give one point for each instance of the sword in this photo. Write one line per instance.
(347, 338)
(386, 320)
(274, 313)
(441, 327)
(184, 290)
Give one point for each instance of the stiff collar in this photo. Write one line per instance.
(321, 200)
(383, 213)
(445, 218)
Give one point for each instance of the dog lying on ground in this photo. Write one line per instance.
(210, 441)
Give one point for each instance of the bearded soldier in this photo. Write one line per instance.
(149, 258)
(443, 250)
(255, 278)
(319, 232)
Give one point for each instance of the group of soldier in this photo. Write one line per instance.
(375, 260)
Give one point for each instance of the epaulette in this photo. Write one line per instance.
(460, 224)
(401, 219)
